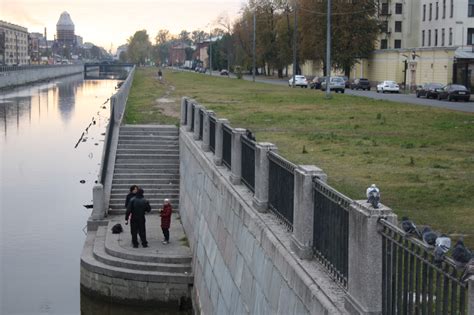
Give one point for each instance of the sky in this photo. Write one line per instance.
(112, 22)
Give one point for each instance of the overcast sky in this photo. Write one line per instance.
(106, 22)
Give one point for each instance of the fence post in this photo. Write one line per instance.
(183, 110)
(470, 297)
(98, 211)
(303, 214)
(236, 158)
(197, 121)
(190, 114)
(260, 197)
(219, 139)
(365, 258)
(205, 131)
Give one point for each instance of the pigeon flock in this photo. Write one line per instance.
(460, 254)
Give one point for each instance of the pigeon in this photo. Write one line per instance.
(250, 135)
(443, 244)
(429, 237)
(461, 255)
(373, 196)
(409, 227)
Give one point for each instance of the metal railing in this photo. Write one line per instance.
(412, 283)
(186, 112)
(281, 188)
(31, 67)
(192, 116)
(248, 162)
(201, 123)
(227, 146)
(331, 230)
(212, 134)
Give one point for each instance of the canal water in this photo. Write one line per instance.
(45, 181)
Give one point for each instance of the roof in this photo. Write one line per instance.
(65, 22)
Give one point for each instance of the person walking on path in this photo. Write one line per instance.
(165, 215)
(160, 74)
(136, 209)
(131, 194)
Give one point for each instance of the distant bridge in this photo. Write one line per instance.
(107, 70)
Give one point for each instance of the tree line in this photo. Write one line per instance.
(354, 30)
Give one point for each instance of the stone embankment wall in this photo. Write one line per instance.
(18, 77)
(242, 259)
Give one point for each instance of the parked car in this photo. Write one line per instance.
(316, 82)
(360, 84)
(454, 92)
(336, 84)
(388, 86)
(429, 90)
(347, 82)
(224, 72)
(300, 80)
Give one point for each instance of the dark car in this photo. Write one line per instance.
(360, 84)
(347, 82)
(429, 90)
(316, 82)
(454, 92)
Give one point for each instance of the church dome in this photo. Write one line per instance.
(65, 23)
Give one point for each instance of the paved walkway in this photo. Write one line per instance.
(178, 242)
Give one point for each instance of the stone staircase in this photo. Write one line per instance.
(147, 156)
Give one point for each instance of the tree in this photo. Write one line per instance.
(162, 37)
(198, 36)
(184, 37)
(139, 47)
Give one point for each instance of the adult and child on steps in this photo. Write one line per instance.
(137, 205)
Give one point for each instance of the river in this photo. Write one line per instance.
(45, 181)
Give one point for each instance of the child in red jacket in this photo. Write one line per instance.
(165, 215)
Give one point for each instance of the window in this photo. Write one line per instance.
(470, 8)
(398, 8)
(384, 27)
(431, 10)
(437, 10)
(424, 12)
(452, 9)
(450, 36)
(470, 36)
(383, 44)
(429, 37)
(398, 26)
(384, 9)
(436, 37)
(444, 9)
(398, 43)
(422, 38)
(442, 37)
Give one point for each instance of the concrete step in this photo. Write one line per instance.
(149, 192)
(149, 127)
(151, 137)
(101, 255)
(165, 181)
(91, 264)
(121, 212)
(138, 141)
(145, 176)
(151, 146)
(127, 168)
(119, 203)
(154, 151)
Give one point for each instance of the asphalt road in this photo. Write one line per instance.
(401, 98)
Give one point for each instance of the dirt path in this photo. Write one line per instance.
(167, 104)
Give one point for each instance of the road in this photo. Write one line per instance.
(401, 98)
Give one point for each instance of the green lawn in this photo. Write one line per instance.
(422, 158)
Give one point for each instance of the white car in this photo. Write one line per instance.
(388, 86)
(300, 80)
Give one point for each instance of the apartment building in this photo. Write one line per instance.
(13, 44)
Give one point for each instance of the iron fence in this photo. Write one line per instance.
(227, 146)
(201, 123)
(248, 162)
(192, 116)
(412, 283)
(280, 188)
(185, 111)
(331, 230)
(212, 134)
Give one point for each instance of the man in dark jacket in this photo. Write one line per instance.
(131, 194)
(136, 209)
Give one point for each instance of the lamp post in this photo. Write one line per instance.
(328, 51)
(294, 46)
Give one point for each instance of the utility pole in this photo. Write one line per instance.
(254, 67)
(294, 45)
(328, 52)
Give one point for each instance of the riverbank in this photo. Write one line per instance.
(27, 75)
(421, 158)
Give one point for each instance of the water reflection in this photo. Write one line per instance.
(41, 212)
